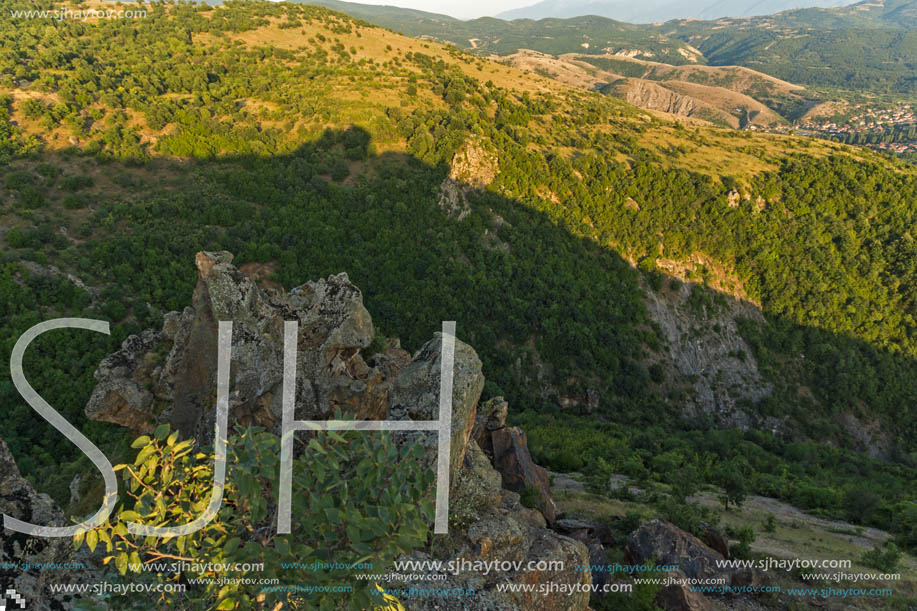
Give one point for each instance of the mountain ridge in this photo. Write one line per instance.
(662, 10)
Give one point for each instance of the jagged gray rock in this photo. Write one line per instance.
(170, 375)
(520, 474)
(416, 395)
(19, 500)
(663, 543)
(487, 524)
(703, 344)
(491, 416)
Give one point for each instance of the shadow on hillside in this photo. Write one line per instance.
(557, 319)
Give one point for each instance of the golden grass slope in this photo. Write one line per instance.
(377, 77)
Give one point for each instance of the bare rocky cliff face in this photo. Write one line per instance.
(473, 167)
(704, 347)
(169, 375)
(647, 94)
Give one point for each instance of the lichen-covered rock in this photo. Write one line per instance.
(170, 375)
(475, 485)
(415, 395)
(126, 399)
(681, 598)
(663, 543)
(19, 500)
(491, 416)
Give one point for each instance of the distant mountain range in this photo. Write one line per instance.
(651, 11)
(688, 14)
(867, 14)
(490, 36)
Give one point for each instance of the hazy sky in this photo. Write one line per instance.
(463, 9)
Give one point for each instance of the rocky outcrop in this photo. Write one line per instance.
(170, 375)
(491, 416)
(487, 520)
(519, 472)
(681, 598)
(416, 396)
(663, 543)
(652, 96)
(704, 346)
(19, 500)
(489, 524)
(714, 537)
(473, 167)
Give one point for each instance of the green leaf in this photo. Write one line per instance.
(92, 539)
(172, 438)
(129, 516)
(227, 603)
(145, 453)
(78, 539)
(121, 562)
(232, 545)
(140, 442)
(161, 432)
(181, 446)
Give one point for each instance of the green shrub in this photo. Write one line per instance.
(530, 497)
(31, 197)
(742, 549)
(340, 170)
(884, 557)
(356, 497)
(75, 183)
(18, 180)
(74, 201)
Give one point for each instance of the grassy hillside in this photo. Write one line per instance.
(303, 139)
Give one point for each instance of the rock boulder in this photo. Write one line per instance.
(19, 500)
(520, 473)
(170, 375)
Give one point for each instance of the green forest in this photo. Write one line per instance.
(126, 146)
(879, 61)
